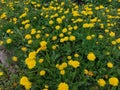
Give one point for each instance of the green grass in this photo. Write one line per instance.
(83, 54)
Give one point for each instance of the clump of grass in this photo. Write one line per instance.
(60, 45)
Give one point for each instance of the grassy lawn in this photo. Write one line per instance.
(59, 45)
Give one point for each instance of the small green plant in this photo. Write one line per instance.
(60, 45)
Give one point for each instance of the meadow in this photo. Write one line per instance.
(60, 45)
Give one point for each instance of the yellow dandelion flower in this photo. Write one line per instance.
(1, 73)
(86, 71)
(88, 37)
(9, 40)
(24, 49)
(37, 36)
(106, 30)
(69, 57)
(63, 86)
(33, 31)
(101, 82)
(66, 38)
(112, 34)
(63, 17)
(14, 58)
(57, 66)
(101, 6)
(1, 42)
(113, 81)
(47, 35)
(76, 55)
(31, 64)
(92, 35)
(91, 56)
(61, 35)
(97, 8)
(59, 20)
(64, 30)
(51, 22)
(41, 60)
(23, 80)
(28, 85)
(72, 38)
(100, 36)
(75, 27)
(54, 47)
(43, 43)
(57, 27)
(42, 72)
(8, 31)
(54, 38)
(118, 40)
(62, 72)
(32, 55)
(28, 36)
(46, 86)
(27, 26)
(113, 42)
(30, 41)
(110, 65)
(70, 28)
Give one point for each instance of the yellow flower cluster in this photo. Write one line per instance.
(112, 81)
(62, 66)
(89, 73)
(56, 34)
(25, 22)
(23, 15)
(43, 45)
(74, 63)
(88, 25)
(3, 16)
(9, 31)
(25, 82)
(30, 61)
